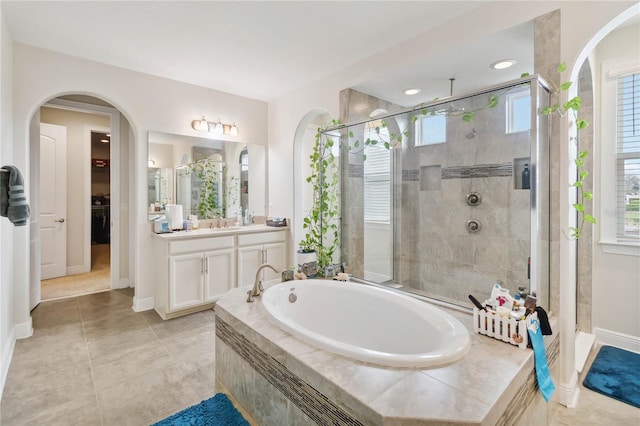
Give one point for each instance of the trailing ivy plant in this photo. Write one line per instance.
(206, 170)
(323, 235)
(572, 107)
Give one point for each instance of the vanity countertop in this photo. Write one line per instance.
(215, 232)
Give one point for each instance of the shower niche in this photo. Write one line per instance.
(419, 202)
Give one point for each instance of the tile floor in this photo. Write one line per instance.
(94, 361)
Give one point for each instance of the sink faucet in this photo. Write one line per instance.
(257, 285)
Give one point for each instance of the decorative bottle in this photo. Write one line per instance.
(525, 177)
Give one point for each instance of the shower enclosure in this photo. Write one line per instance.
(446, 199)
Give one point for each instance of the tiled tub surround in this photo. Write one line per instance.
(281, 380)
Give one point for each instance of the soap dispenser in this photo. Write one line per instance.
(526, 177)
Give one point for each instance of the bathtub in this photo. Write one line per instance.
(367, 323)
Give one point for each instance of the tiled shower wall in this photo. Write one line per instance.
(443, 258)
(433, 250)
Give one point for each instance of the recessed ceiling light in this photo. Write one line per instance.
(503, 64)
(104, 140)
(411, 91)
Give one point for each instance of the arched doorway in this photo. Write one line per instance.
(90, 226)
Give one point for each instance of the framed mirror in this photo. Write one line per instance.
(208, 177)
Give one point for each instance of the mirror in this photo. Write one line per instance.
(208, 177)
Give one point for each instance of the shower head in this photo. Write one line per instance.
(471, 134)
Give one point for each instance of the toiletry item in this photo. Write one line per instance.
(495, 291)
(342, 276)
(194, 221)
(174, 216)
(287, 275)
(477, 303)
(525, 177)
(239, 218)
(530, 304)
(329, 271)
(245, 220)
(503, 311)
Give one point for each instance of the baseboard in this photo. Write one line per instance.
(79, 269)
(7, 356)
(24, 330)
(141, 305)
(619, 340)
(584, 343)
(568, 392)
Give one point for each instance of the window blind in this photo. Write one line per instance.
(628, 157)
(377, 181)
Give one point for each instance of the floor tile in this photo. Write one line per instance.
(144, 399)
(117, 367)
(174, 326)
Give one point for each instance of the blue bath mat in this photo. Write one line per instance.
(215, 411)
(616, 373)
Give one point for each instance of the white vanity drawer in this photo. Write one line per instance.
(200, 244)
(261, 238)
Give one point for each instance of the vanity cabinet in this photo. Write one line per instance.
(195, 268)
(257, 249)
(196, 274)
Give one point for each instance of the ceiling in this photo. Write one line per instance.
(266, 49)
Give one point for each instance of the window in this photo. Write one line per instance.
(431, 130)
(377, 177)
(620, 156)
(628, 157)
(518, 112)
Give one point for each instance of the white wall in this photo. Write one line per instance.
(7, 339)
(148, 103)
(615, 276)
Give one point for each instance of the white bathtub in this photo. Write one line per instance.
(367, 323)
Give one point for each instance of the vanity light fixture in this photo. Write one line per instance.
(201, 125)
(218, 127)
(503, 64)
(151, 163)
(411, 92)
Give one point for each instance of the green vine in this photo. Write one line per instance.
(323, 234)
(213, 202)
(572, 106)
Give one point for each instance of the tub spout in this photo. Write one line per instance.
(257, 285)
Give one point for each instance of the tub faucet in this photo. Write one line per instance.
(257, 285)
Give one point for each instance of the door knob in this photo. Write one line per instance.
(61, 220)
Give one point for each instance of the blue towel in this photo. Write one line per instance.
(13, 201)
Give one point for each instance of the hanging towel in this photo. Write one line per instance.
(545, 383)
(13, 202)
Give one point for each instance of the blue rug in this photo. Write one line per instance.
(616, 373)
(214, 411)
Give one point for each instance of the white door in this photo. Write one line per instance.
(53, 201)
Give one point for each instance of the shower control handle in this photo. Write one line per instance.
(473, 225)
(473, 198)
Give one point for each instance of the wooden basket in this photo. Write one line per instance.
(506, 329)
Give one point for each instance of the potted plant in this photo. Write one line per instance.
(307, 258)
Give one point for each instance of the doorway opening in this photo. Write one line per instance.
(84, 238)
